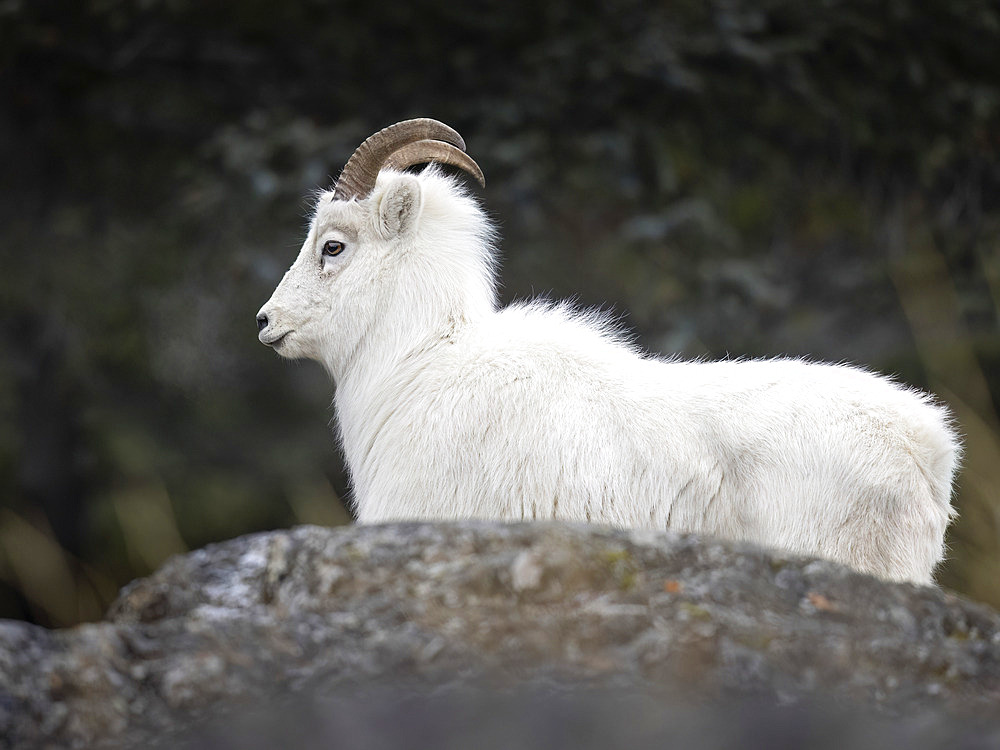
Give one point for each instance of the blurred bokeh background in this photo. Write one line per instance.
(732, 177)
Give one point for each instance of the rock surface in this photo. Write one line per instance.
(294, 620)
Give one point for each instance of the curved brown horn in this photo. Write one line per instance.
(359, 174)
(420, 152)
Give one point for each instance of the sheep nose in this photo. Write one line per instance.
(261, 322)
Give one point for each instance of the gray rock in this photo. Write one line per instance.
(326, 628)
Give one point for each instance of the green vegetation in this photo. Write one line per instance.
(734, 177)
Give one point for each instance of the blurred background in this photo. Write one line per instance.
(731, 177)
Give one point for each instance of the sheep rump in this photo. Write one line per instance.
(817, 459)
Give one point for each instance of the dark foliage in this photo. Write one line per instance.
(734, 177)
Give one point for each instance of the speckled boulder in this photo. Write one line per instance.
(316, 613)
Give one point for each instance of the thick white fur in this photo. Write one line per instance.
(449, 407)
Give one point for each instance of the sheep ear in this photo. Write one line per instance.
(399, 207)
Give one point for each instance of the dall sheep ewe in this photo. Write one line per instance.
(449, 407)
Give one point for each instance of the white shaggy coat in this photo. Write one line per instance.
(449, 407)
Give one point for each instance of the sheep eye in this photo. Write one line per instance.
(332, 247)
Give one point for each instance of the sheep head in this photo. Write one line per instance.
(357, 241)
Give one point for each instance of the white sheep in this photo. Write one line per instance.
(449, 407)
